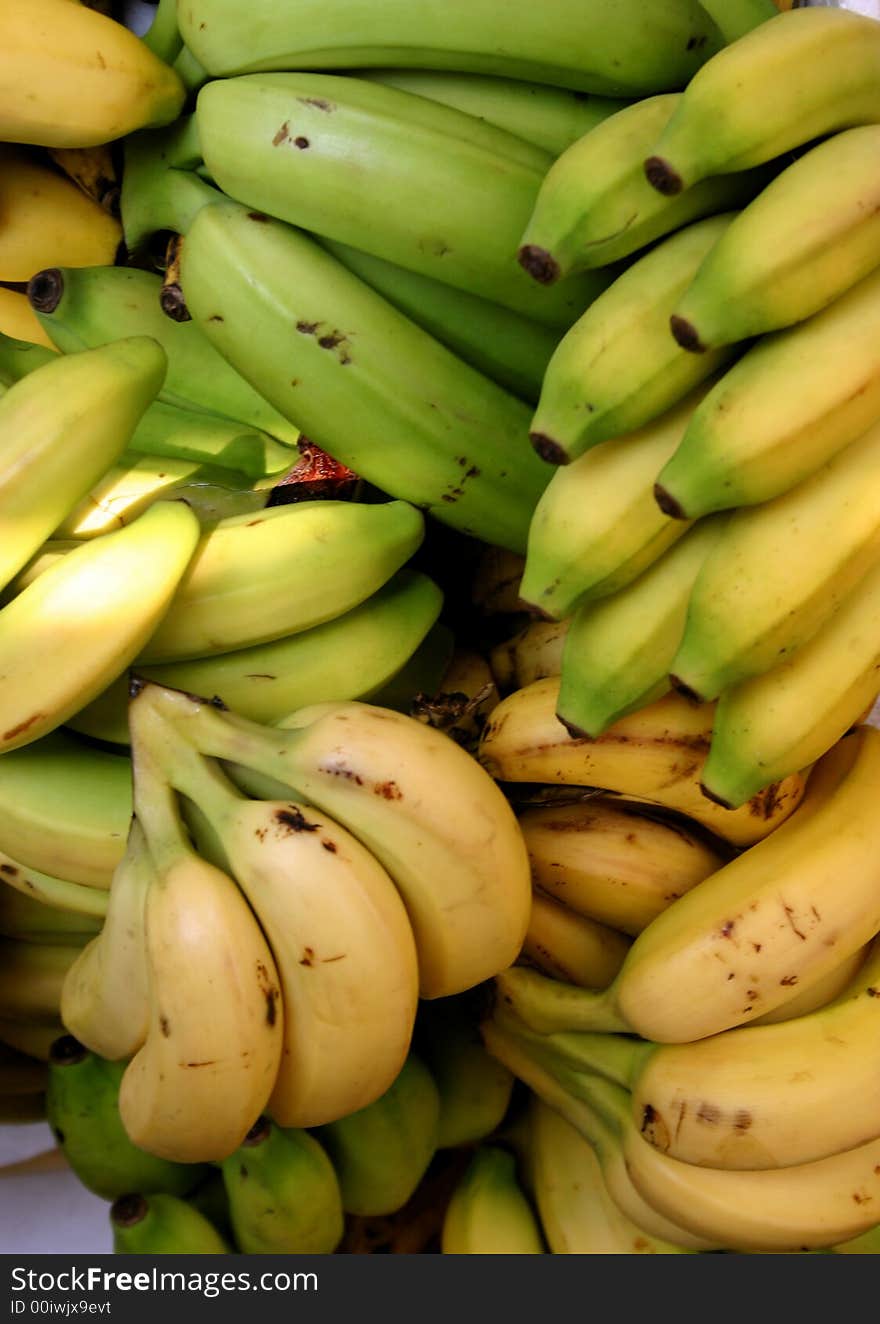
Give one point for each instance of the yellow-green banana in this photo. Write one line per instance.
(162, 1224)
(570, 946)
(184, 434)
(56, 895)
(474, 1088)
(18, 358)
(532, 653)
(489, 1212)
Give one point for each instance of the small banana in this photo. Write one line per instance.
(573, 947)
(162, 1224)
(489, 1213)
(532, 653)
(474, 1088)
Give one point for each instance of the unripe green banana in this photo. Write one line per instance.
(163, 37)
(803, 75)
(284, 1196)
(82, 1104)
(489, 1213)
(595, 206)
(162, 1224)
(619, 51)
(84, 307)
(184, 434)
(328, 349)
(474, 1088)
(18, 358)
(770, 270)
(334, 155)
(618, 368)
(550, 117)
(381, 1152)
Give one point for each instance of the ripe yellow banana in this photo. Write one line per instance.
(74, 78)
(532, 653)
(613, 863)
(489, 1213)
(817, 993)
(655, 754)
(570, 946)
(780, 915)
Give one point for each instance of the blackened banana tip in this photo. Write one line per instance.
(667, 503)
(65, 1051)
(716, 799)
(576, 732)
(685, 690)
(548, 449)
(259, 1133)
(127, 1210)
(173, 304)
(541, 265)
(661, 176)
(45, 290)
(686, 334)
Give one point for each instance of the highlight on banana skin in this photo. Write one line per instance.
(440, 624)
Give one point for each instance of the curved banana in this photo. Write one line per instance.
(184, 434)
(779, 916)
(614, 863)
(97, 80)
(488, 1212)
(65, 809)
(618, 369)
(330, 349)
(779, 571)
(18, 358)
(86, 307)
(573, 947)
(817, 993)
(56, 895)
(801, 76)
(532, 653)
(619, 52)
(61, 427)
(421, 804)
(768, 270)
(474, 1089)
(332, 155)
(162, 1224)
(655, 754)
(618, 650)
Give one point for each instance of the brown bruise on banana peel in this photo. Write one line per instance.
(540, 265)
(662, 176)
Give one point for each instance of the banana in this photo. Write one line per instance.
(618, 52)
(324, 353)
(163, 37)
(346, 959)
(423, 806)
(800, 76)
(161, 187)
(532, 653)
(18, 320)
(474, 1089)
(489, 1213)
(595, 206)
(162, 1224)
(866, 1244)
(577, 1214)
(31, 976)
(462, 700)
(618, 369)
(572, 947)
(767, 425)
(284, 1195)
(83, 1111)
(817, 993)
(349, 657)
(506, 347)
(789, 716)
(769, 270)
(286, 144)
(105, 1000)
(654, 755)
(734, 18)
(776, 918)
(80, 624)
(422, 672)
(183, 434)
(381, 1152)
(28, 919)
(56, 895)
(94, 170)
(594, 530)
(550, 117)
(18, 358)
(85, 307)
(96, 80)
(64, 810)
(46, 219)
(258, 577)
(618, 651)
(61, 426)
(213, 1044)
(779, 571)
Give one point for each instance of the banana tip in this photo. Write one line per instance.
(65, 1051)
(173, 304)
(258, 1134)
(661, 176)
(686, 335)
(576, 732)
(548, 449)
(686, 691)
(716, 799)
(668, 503)
(45, 290)
(127, 1210)
(541, 265)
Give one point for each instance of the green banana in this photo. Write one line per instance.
(85, 307)
(474, 1089)
(621, 50)
(350, 657)
(381, 1152)
(183, 434)
(162, 1224)
(163, 37)
(789, 716)
(334, 155)
(618, 368)
(162, 188)
(489, 1213)
(210, 1200)
(770, 270)
(595, 206)
(284, 1196)
(594, 530)
(30, 920)
(56, 894)
(734, 18)
(779, 570)
(800, 76)
(328, 349)
(510, 349)
(18, 358)
(83, 1111)
(767, 424)
(61, 426)
(65, 808)
(618, 650)
(550, 117)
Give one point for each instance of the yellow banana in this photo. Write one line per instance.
(55, 894)
(532, 653)
(572, 947)
(489, 1213)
